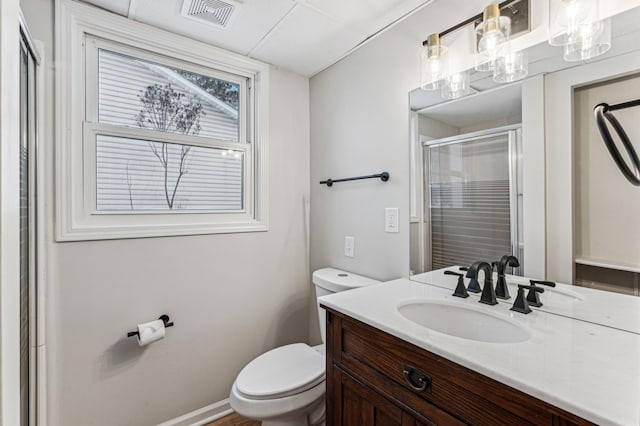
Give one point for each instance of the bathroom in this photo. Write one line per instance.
(326, 90)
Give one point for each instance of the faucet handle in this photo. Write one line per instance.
(521, 303)
(463, 268)
(533, 297)
(461, 290)
(547, 283)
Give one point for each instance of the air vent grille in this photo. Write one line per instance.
(216, 12)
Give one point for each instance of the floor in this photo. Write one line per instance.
(234, 420)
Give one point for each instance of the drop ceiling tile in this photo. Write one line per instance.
(120, 7)
(252, 22)
(368, 16)
(307, 41)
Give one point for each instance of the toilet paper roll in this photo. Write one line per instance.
(150, 332)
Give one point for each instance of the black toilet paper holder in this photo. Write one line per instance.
(165, 319)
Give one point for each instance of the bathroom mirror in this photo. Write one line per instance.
(521, 169)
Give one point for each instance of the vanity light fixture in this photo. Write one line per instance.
(432, 68)
(574, 25)
(493, 32)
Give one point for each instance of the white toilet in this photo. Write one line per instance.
(286, 386)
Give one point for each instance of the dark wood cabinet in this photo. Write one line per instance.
(374, 378)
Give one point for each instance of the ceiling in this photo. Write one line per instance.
(304, 36)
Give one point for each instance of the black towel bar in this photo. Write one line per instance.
(384, 176)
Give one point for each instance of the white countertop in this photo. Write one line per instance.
(586, 304)
(583, 368)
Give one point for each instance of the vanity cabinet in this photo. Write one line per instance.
(374, 378)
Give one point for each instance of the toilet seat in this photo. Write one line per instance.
(281, 372)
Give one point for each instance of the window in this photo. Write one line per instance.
(166, 136)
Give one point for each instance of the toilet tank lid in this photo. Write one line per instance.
(336, 280)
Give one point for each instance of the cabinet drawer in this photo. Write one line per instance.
(384, 359)
(355, 403)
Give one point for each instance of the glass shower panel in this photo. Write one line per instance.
(470, 200)
(27, 234)
(24, 239)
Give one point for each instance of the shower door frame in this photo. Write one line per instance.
(514, 143)
(35, 80)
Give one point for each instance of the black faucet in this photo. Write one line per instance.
(461, 290)
(502, 291)
(488, 292)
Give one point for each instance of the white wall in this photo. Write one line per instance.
(232, 296)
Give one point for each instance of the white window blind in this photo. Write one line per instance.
(130, 176)
(137, 175)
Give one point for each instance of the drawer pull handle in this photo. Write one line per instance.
(417, 379)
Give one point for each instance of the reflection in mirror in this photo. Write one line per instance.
(521, 169)
(470, 205)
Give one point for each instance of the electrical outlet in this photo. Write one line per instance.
(349, 246)
(391, 219)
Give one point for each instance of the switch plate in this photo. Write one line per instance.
(349, 246)
(391, 219)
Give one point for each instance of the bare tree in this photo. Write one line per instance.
(167, 110)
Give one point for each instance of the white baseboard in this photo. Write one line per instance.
(202, 416)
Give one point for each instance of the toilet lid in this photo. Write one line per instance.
(283, 371)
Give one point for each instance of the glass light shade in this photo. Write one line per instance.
(511, 67)
(432, 67)
(588, 41)
(566, 16)
(492, 33)
(456, 85)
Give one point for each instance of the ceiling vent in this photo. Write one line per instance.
(215, 12)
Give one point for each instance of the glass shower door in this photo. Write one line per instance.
(27, 232)
(473, 198)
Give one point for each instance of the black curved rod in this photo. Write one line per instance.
(604, 112)
(384, 176)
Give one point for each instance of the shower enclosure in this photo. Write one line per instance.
(473, 198)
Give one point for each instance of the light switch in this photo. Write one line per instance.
(391, 219)
(349, 246)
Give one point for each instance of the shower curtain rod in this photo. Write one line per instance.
(623, 105)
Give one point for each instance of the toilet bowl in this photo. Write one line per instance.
(286, 385)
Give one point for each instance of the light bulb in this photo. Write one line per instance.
(493, 32)
(567, 17)
(490, 41)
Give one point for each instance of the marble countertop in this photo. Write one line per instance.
(584, 368)
(586, 304)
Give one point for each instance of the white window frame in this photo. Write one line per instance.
(81, 31)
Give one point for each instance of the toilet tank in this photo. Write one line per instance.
(330, 280)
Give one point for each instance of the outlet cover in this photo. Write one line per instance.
(349, 246)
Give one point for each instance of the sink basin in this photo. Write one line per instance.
(464, 322)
